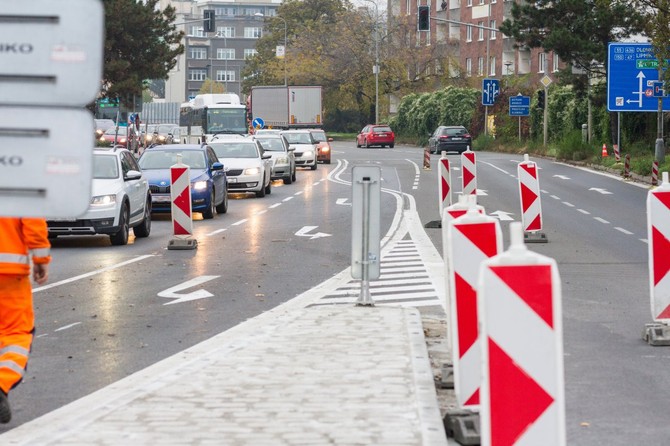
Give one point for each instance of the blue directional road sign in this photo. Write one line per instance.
(519, 105)
(632, 72)
(490, 91)
(258, 123)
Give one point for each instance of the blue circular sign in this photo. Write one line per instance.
(258, 123)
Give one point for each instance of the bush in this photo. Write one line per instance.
(571, 147)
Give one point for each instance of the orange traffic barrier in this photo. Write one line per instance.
(605, 151)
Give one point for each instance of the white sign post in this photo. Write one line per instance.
(50, 68)
(365, 228)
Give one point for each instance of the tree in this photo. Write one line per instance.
(141, 42)
(210, 86)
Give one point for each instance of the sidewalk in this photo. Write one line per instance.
(296, 375)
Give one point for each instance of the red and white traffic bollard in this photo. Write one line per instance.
(658, 228)
(469, 170)
(522, 393)
(531, 204)
(471, 239)
(617, 154)
(182, 218)
(444, 182)
(426, 159)
(626, 166)
(654, 173)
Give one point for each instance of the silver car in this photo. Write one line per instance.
(283, 158)
(305, 147)
(248, 168)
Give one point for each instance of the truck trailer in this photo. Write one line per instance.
(287, 107)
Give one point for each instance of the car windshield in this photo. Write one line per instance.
(235, 149)
(112, 131)
(298, 138)
(319, 136)
(454, 131)
(381, 129)
(105, 167)
(164, 159)
(271, 144)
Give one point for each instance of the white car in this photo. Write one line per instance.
(247, 167)
(120, 200)
(305, 147)
(283, 159)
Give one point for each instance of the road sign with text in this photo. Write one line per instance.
(519, 105)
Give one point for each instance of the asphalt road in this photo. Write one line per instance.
(111, 311)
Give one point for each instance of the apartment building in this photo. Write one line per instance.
(219, 55)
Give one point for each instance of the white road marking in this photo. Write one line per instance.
(583, 211)
(244, 220)
(173, 293)
(217, 232)
(555, 197)
(601, 220)
(274, 206)
(623, 230)
(287, 199)
(304, 232)
(568, 204)
(67, 326)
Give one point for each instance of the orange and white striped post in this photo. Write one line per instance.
(469, 170)
(471, 239)
(426, 158)
(182, 218)
(522, 392)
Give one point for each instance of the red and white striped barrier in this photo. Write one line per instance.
(658, 229)
(617, 154)
(626, 166)
(529, 191)
(654, 173)
(522, 393)
(471, 239)
(180, 194)
(469, 170)
(426, 159)
(444, 182)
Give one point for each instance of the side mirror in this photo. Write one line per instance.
(217, 166)
(132, 175)
(330, 139)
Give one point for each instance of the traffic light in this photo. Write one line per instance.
(540, 98)
(424, 18)
(210, 21)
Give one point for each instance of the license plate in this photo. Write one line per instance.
(381, 134)
(65, 220)
(457, 139)
(162, 198)
(232, 180)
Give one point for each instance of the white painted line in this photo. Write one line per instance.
(244, 220)
(261, 212)
(216, 232)
(644, 240)
(92, 273)
(568, 204)
(584, 212)
(300, 192)
(601, 220)
(555, 197)
(287, 199)
(67, 326)
(316, 183)
(274, 206)
(623, 230)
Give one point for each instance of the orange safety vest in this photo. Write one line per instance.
(20, 238)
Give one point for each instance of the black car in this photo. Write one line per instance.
(450, 138)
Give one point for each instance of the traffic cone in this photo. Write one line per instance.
(604, 155)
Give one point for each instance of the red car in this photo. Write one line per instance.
(323, 145)
(375, 135)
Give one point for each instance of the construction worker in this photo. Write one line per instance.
(20, 238)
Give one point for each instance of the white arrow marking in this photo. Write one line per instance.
(303, 232)
(640, 76)
(602, 191)
(173, 293)
(343, 202)
(562, 177)
(502, 215)
(482, 193)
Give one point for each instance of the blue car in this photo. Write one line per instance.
(209, 190)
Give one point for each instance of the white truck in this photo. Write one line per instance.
(287, 107)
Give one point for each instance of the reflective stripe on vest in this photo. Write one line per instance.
(41, 252)
(14, 367)
(14, 349)
(13, 258)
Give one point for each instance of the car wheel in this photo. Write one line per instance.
(365, 144)
(294, 177)
(327, 161)
(121, 236)
(223, 207)
(391, 145)
(144, 228)
(260, 193)
(358, 145)
(314, 166)
(209, 213)
(288, 179)
(268, 188)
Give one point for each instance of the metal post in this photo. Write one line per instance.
(364, 298)
(375, 69)
(546, 104)
(659, 150)
(260, 14)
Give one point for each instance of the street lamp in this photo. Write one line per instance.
(260, 14)
(375, 69)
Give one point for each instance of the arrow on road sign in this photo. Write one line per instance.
(502, 215)
(304, 232)
(640, 76)
(602, 191)
(173, 293)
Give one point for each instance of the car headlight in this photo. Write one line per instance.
(103, 200)
(308, 153)
(282, 160)
(252, 171)
(148, 138)
(325, 149)
(199, 185)
(123, 140)
(161, 138)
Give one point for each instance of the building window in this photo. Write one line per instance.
(197, 53)
(252, 11)
(492, 33)
(469, 2)
(197, 74)
(225, 76)
(197, 31)
(468, 67)
(480, 66)
(225, 53)
(468, 33)
(541, 61)
(225, 11)
(555, 62)
(481, 2)
(492, 66)
(253, 33)
(481, 31)
(225, 31)
(249, 53)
